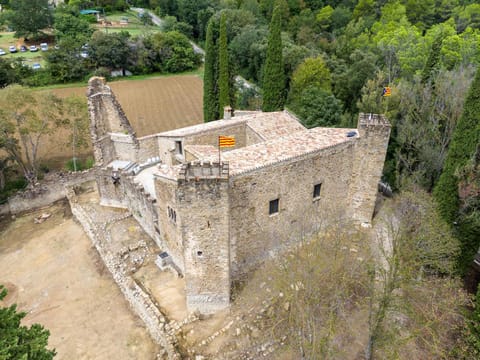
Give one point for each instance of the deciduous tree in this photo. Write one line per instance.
(67, 25)
(26, 118)
(30, 17)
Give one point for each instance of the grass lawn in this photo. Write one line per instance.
(7, 39)
(132, 17)
(134, 26)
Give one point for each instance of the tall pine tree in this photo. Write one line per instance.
(210, 107)
(273, 70)
(223, 83)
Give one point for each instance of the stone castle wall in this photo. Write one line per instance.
(110, 194)
(50, 189)
(142, 206)
(203, 210)
(216, 227)
(148, 148)
(256, 235)
(139, 301)
(129, 195)
(112, 135)
(211, 137)
(171, 237)
(369, 157)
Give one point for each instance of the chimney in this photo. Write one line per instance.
(228, 112)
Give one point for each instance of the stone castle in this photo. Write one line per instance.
(217, 219)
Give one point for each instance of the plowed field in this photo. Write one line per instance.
(156, 105)
(151, 105)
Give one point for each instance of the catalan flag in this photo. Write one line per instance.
(226, 141)
(387, 91)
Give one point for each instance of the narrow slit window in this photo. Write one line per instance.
(273, 208)
(316, 190)
(178, 147)
(172, 214)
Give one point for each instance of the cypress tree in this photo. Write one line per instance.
(223, 83)
(209, 77)
(273, 71)
(465, 138)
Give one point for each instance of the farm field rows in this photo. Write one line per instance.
(158, 104)
(152, 106)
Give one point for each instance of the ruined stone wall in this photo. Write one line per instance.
(110, 194)
(49, 190)
(126, 147)
(127, 194)
(203, 210)
(104, 150)
(142, 206)
(171, 237)
(255, 234)
(370, 153)
(112, 135)
(148, 148)
(139, 301)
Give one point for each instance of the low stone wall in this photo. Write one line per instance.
(140, 302)
(49, 190)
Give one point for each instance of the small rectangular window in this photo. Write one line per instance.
(178, 147)
(273, 209)
(316, 190)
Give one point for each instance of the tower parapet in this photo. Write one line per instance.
(369, 157)
(204, 170)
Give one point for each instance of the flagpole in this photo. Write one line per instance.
(219, 154)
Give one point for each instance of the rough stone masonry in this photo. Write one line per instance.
(217, 218)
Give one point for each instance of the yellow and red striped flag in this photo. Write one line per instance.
(387, 91)
(226, 141)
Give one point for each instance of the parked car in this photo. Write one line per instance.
(23, 48)
(44, 46)
(36, 66)
(12, 48)
(2, 52)
(33, 48)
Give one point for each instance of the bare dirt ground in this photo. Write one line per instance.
(54, 274)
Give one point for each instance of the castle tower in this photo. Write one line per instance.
(112, 136)
(369, 157)
(203, 210)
